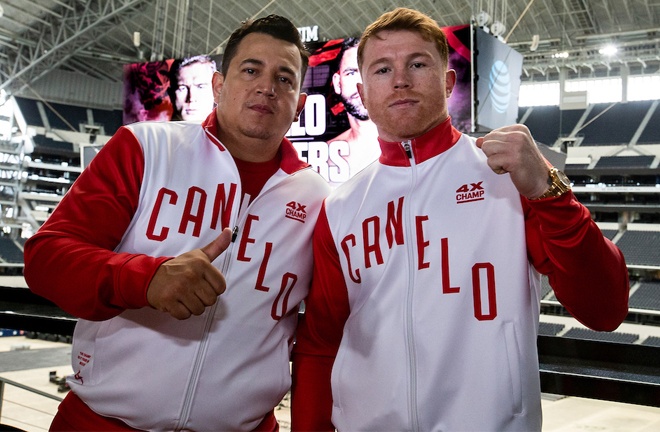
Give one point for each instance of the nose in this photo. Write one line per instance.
(266, 86)
(193, 93)
(401, 78)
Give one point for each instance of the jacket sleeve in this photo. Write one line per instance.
(587, 271)
(70, 260)
(319, 335)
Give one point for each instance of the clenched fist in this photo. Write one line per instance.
(511, 149)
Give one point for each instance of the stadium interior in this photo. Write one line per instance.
(61, 101)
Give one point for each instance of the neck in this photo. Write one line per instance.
(363, 126)
(246, 148)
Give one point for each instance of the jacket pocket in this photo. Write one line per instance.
(515, 371)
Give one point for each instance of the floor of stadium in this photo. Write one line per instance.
(30, 362)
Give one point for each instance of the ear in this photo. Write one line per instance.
(335, 82)
(301, 104)
(360, 89)
(217, 82)
(450, 81)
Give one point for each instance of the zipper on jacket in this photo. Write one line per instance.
(201, 351)
(199, 359)
(407, 147)
(197, 367)
(409, 322)
(245, 203)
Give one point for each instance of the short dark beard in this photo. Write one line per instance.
(354, 110)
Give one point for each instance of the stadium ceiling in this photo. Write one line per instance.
(97, 37)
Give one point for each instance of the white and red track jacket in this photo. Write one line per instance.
(424, 307)
(159, 190)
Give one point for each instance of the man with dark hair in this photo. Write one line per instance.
(361, 138)
(348, 71)
(191, 88)
(424, 308)
(271, 25)
(185, 249)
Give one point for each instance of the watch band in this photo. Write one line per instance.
(558, 183)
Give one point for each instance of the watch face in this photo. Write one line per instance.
(563, 178)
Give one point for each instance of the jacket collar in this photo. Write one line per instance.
(290, 160)
(437, 140)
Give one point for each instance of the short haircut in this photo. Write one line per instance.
(407, 19)
(348, 43)
(272, 25)
(181, 63)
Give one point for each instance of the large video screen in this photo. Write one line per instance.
(334, 133)
(172, 89)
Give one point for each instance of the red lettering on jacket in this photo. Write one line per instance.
(483, 273)
(262, 268)
(222, 205)
(444, 262)
(151, 234)
(354, 275)
(394, 223)
(281, 303)
(245, 238)
(372, 246)
(479, 312)
(193, 212)
(421, 243)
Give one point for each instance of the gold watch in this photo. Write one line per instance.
(558, 184)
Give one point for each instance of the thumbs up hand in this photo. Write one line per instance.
(187, 284)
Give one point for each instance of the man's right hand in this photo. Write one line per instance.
(187, 284)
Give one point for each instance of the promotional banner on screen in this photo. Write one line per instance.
(173, 89)
(334, 133)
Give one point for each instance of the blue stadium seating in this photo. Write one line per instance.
(651, 134)
(609, 233)
(9, 252)
(613, 124)
(550, 329)
(625, 162)
(652, 341)
(646, 296)
(580, 333)
(640, 247)
(30, 111)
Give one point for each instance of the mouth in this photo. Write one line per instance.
(261, 108)
(402, 103)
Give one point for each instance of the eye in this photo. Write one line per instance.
(286, 80)
(417, 65)
(249, 71)
(382, 70)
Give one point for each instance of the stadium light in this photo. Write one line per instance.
(608, 50)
